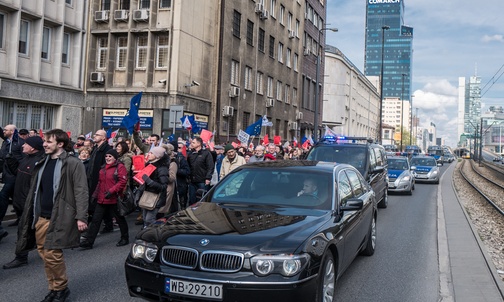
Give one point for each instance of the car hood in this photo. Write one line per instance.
(424, 168)
(395, 173)
(238, 227)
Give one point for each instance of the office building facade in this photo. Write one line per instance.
(397, 47)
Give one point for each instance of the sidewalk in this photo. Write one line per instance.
(466, 270)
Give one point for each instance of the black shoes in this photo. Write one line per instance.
(61, 295)
(86, 245)
(15, 263)
(3, 235)
(50, 296)
(122, 242)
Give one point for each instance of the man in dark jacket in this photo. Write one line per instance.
(201, 164)
(96, 161)
(183, 173)
(34, 150)
(10, 154)
(55, 211)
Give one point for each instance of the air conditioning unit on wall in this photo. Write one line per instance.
(227, 111)
(97, 77)
(121, 15)
(292, 34)
(234, 92)
(101, 16)
(270, 103)
(293, 126)
(141, 15)
(299, 115)
(259, 8)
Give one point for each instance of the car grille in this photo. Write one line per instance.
(422, 172)
(213, 261)
(216, 261)
(180, 257)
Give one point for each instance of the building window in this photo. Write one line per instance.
(122, 50)
(272, 8)
(279, 91)
(282, 15)
(162, 52)
(164, 3)
(296, 29)
(245, 119)
(65, 49)
(250, 33)
(269, 88)
(236, 24)
(141, 53)
(25, 115)
(105, 5)
(235, 69)
(272, 47)
(277, 127)
(294, 97)
(101, 57)
(23, 37)
(288, 58)
(289, 21)
(144, 4)
(287, 94)
(124, 4)
(232, 124)
(259, 83)
(280, 52)
(295, 62)
(260, 43)
(248, 78)
(46, 42)
(69, 2)
(2, 29)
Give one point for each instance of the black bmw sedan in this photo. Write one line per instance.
(269, 231)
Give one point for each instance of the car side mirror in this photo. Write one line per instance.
(413, 168)
(379, 169)
(353, 204)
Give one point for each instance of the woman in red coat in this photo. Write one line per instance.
(113, 178)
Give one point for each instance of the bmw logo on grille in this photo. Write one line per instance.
(204, 242)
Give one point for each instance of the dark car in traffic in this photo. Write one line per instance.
(367, 157)
(269, 231)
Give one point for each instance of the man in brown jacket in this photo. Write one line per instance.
(55, 211)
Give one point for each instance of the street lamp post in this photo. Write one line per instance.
(411, 119)
(317, 88)
(380, 130)
(402, 109)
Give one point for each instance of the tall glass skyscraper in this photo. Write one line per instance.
(397, 47)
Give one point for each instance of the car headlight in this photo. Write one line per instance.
(286, 265)
(144, 250)
(406, 178)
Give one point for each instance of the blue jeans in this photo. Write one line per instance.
(6, 192)
(193, 187)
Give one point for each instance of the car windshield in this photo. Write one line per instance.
(355, 156)
(276, 187)
(397, 164)
(423, 161)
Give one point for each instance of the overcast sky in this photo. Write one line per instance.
(451, 39)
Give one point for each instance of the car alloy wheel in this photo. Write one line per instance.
(371, 242)
(328, 279)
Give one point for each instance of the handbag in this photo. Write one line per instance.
(126, 203)
(149, 200)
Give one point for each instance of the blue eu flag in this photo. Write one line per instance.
(131, 117)
(192, 120)
(255, 128)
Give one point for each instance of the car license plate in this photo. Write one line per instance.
(421, 176)
(193, 289)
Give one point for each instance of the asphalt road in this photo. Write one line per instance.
(403, 268)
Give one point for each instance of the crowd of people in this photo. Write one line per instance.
(65, 193)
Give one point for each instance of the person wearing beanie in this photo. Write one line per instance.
(113, 178)
(232, 161)
(156, 182)
(34, 152)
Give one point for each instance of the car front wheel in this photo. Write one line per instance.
(327, 281)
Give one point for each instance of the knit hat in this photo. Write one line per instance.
(35, 142)
(218, 147)
(158, 152)
(228, 147)
(113, 153)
